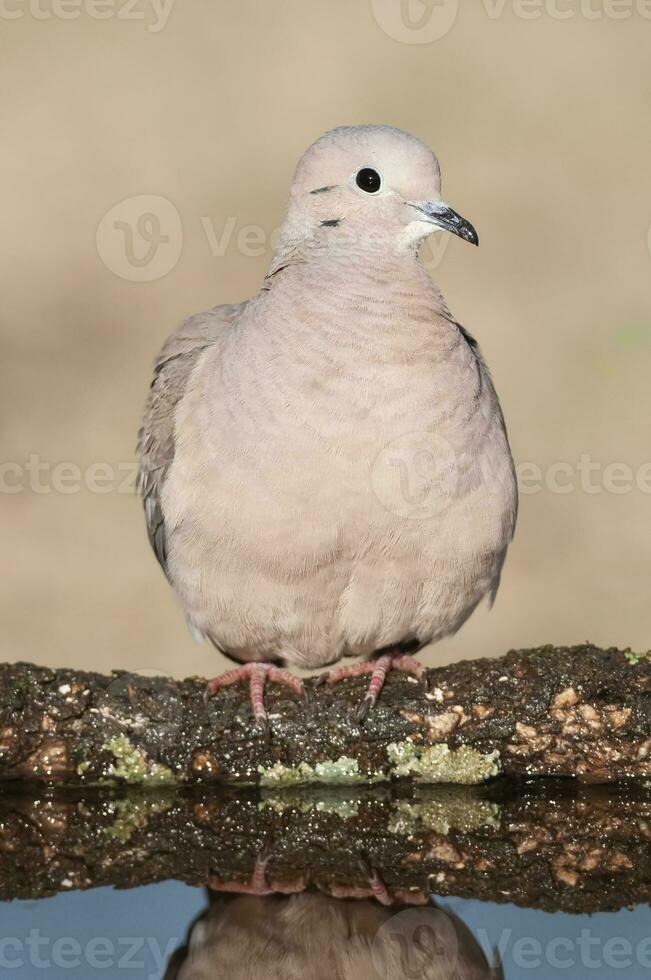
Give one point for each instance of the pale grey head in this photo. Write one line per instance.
(369, 184)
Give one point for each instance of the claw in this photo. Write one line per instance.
(264, 727)
(258, 883)
(257, 674)
(362, 712)
(378, 669)
(380, 890)
(374, 889)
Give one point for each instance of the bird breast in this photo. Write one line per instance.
(341, 458)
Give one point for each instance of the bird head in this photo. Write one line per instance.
(368, 186)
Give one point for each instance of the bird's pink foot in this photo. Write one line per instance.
(257, 675)
(378, 890)
(378, 669)
(259, 884)
(375, 889)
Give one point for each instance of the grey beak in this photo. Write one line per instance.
(443, 216)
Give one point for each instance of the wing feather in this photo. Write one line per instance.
(172, 370)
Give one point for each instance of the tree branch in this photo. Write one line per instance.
(576, 711)
(550, 845)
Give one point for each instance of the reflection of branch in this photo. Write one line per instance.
(554, 711)
(554, 845)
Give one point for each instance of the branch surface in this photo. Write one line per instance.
(553, 711)
(550, 845)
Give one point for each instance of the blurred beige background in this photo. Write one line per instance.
(541, 124)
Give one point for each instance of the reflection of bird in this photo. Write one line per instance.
(315, 937)
(325, 468)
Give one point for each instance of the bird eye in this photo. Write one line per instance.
(368, 180)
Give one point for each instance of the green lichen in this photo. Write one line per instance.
(426, 764)
(280, 775)
(339, 772)
(134, 815)
(344, 808)
(335, 772)
(444, 814)
(440, 764)
(288, 801)
(132, 765)
(636, 658)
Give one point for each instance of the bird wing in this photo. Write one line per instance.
(172, 370)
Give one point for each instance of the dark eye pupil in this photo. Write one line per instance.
(369, 180)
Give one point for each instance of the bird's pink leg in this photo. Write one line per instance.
(378, 669)
(378, 890)
(375, 889)
(258, 885)
(257, 675)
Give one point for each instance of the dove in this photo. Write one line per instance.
(325, 467)
(317, 936)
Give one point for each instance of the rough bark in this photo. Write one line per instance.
(549, 845)
(576, 711)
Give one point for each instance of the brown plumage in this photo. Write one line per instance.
(312, 936)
